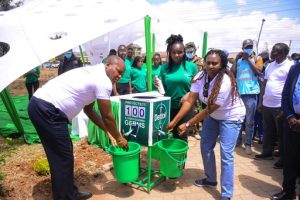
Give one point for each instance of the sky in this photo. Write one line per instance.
(230, 22)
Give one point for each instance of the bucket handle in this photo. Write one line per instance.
(180, 162)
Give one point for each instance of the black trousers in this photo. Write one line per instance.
(51, 125)
(291, 166)
(273, 130)
(187, 116)
(32, 87)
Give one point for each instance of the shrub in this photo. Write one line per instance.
(41, 167)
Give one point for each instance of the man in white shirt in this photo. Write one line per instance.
(54, 106)
(270, 102)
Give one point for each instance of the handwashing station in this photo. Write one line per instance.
(143, 120)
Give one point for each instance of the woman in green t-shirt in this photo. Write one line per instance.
(156, 67)
(176, 76)
(138, 76)
(32, 81)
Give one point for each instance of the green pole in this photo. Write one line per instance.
(204, 46)
(11, 109)
(147, 22)
(81, 54)
(153, 44)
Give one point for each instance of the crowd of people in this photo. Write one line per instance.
(234, 99)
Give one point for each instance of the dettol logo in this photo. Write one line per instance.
(160, 114)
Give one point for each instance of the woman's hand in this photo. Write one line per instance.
(181, 129)
(171, 126)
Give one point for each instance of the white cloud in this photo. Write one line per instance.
(241, 2)
(229, 31)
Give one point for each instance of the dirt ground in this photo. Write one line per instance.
(16, 160)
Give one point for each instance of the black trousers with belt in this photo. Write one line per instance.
(51, 125)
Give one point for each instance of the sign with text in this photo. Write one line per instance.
(144, 119)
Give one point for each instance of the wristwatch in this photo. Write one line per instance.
(187, 124)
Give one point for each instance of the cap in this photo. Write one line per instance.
(247, 42)
(190, 45)
(226, 52)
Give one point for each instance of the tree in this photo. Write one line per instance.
(7, 4)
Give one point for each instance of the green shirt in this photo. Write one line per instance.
(126, 76)
(178, 81)
(130, 60)
(31, 78)
(138, 79)
(155, 72)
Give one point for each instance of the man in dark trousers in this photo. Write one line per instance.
(54, 105)
(290, 104)
(70, 61)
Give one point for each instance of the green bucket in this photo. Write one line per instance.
(126, 163)
(172, 157)
(155, 151)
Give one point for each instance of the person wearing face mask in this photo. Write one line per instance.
(246, 72)
(190, 52)
(70, 61)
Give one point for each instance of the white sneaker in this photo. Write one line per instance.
(248, 150)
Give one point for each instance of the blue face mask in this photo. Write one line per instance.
(248, 51)
(189, 55)
(68, 55)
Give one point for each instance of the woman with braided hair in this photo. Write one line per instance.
(176, 76)
(223, 116)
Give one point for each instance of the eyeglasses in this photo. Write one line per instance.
(205, 89)
(211, 63)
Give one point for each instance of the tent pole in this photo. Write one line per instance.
(12, 111)
(147, 22)
(153, 45)
(81, 54)
(204, 45)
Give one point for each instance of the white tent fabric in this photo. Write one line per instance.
(29, 29)
(98, 24)
(135, 33)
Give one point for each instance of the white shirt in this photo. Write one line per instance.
(73, 90)
(275, 75)
(227, 111)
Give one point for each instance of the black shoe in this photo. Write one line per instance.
(83, 195)
(283, 195)
(278, 165)
(263, 157)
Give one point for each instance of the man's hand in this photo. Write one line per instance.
(259, 108)
(292, 121)
(122, 142)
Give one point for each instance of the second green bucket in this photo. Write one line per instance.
(126, 163)
(172, 157)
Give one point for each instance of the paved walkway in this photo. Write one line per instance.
(253, 180)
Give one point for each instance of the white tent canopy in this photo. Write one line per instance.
(135, 33)
(32, 30)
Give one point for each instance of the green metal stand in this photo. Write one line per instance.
(149, 181)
